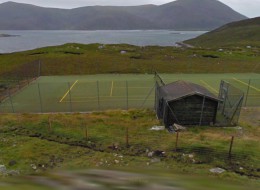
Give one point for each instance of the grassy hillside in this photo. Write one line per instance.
(72, 59)
(242, 33)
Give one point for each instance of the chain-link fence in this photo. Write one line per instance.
(230, 105)
(250, 88)
(34, 95)
(76, 96)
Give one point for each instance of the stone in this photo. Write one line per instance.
(157, 128)
(117, 161)
(217, 170)
(150, 154)
(13, 172)
(155, 160)
(33, 166)
(2, 169)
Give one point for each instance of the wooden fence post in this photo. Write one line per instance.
(86, 131)
(127, 137)
(176, 143)
(230, 148)
(49, 121)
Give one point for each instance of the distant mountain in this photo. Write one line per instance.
(178, 15)
(245, 32)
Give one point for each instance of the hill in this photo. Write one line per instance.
(245, 33)
(178, 15)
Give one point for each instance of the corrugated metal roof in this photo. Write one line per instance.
(181, 89)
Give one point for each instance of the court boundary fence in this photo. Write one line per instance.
(229, 110)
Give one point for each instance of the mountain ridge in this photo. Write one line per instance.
(177, 15)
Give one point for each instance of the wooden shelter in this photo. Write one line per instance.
(185, 103)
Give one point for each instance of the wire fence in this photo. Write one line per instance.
(250, 88)
(225, 147)
(34, 97)
(21, 96)
(230, 105)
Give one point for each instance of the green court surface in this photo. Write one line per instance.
(86, 93)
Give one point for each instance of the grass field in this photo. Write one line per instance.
(82, 141)
(85, 93)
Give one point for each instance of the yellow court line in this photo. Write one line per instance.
(68, 90)
(209, 86)
(258, 90)
(112, 87)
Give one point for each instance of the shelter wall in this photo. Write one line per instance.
(191, 110)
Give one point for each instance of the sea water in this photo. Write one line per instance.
(31, 39)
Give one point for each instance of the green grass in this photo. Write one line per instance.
(93, 60)
(29, 139)
(237, 34)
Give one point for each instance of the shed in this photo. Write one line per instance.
(185, 103)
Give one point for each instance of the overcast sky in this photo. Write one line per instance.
(250, 8)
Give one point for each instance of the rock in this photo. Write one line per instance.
(155, 160)
(2, 169)
(117, 161)
(123, 52)
(191, 156)
(150, 154)
(33, 166)
(178, 127)
(157, 128)
(217, 170)
(13, 172)
(12, 163)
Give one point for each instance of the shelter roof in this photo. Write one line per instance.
(180, 89)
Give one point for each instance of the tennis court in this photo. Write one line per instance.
(85, 93)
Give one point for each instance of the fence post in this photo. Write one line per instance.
(156, 96)
(98, 98)
(230, 147)
(39, 68)
(176, 143)
(11, 100)
(127, 137)
(247, 92)
(86, 131)
(70, 97)
(126, 84)
(40, 97)
(19, 85)
(225, 98)
(50, 125)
